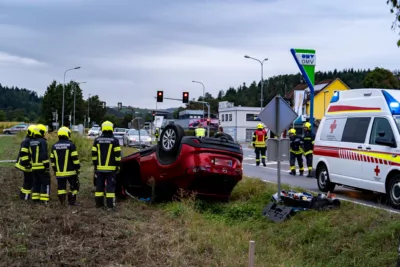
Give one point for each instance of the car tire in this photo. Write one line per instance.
(393, 191)
(224, 136)
(324, 184)
(170, 138)
(7, 132)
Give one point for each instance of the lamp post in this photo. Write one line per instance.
(262, 77)
(325, 92)
(204, 95)
(63, 95)
(75, 98)
(88, 118)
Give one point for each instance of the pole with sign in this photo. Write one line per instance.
(305, 60)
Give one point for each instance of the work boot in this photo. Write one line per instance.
(257, 163)
(263, 162)
(301, 173)
(62, 199)
(110, 202)
(72, 200)
(292, 172)
(309, 175)
(99, 202)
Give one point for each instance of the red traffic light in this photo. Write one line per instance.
(159, 93)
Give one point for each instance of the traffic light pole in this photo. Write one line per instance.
(200, 102)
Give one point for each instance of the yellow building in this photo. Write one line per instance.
(323, 93)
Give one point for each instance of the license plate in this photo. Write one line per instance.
(223, 162)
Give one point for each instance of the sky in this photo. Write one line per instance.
(129, 49)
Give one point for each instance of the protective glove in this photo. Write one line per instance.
(253, 144)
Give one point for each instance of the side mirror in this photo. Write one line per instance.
(384, 142)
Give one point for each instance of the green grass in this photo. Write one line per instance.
(189, 232)
(9, 146)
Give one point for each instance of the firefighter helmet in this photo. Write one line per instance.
(30, 131)
(40, 130)
(107, 126)
(260, 126)
(292, 131)
(307, 125)
(64, 131)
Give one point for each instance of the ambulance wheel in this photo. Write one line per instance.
(324, 184)
(394, 191)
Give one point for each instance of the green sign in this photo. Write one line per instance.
(306, 60)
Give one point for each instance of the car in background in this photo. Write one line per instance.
(210, 167)
(95, 131)
(131, 138)
(120, 132)
(15, 129)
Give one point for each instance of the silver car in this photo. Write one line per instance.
(15, 129)
(131, 138)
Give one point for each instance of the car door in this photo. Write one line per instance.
(377, 158)
(353, 140)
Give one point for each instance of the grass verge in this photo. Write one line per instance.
(189, 232)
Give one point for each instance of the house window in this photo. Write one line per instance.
(226, 117)
(222, 117)
(230, 117)
(252, 117)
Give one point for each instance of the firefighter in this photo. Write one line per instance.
(66, 166)
(296, 152)
(308, 146)
(260, 143)
(40, 165)
(157, 134)
(200, 132)
(24, 164)
(106, 156)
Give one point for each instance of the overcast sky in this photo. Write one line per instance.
(129, 49)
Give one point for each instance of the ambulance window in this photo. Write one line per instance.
(381, 125)
(355, 130)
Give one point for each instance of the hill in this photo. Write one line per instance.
(19, 104)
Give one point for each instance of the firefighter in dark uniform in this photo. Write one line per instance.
(24, 164)
(157, 134)
(308, 146)
(40, 165)
(106, 156)
(66, 166)
(296, 152)
(260, 144)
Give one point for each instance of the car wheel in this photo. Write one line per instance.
(7, 132)
(393, 191)
(324, 184)
(224, 136)
(171, 137)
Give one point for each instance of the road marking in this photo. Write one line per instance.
(340, 198)
(8, 161)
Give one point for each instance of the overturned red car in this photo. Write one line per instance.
(208, 166)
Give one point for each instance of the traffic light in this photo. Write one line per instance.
(154, 113)
(185, 97)
(119, 105)
(208, 121)
(160, 96)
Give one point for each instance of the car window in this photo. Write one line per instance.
(381, 125)
(355, 130)
(133, 132)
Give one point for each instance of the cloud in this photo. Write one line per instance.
(128, 50)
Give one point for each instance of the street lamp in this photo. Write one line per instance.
(203, 96)
(75, 98)
(325, 92)
(63, 97)
(262, 77)
(88, 118)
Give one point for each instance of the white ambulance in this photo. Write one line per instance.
(358, 143)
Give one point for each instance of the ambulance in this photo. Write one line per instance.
(357, 144)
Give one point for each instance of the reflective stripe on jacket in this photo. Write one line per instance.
(296, 143)
(106, 153)
(23, 160)
(200, 132)
(64, 158)
(38, 154)
(308, 142)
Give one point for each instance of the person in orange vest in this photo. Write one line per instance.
(260, 144)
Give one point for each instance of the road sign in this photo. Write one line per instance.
(277, 115)
(273, 153)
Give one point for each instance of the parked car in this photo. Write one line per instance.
(131, 138)
(15, 129)
(120, 132)
(95, 131)
(208, 166)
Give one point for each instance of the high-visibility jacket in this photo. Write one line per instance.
(23, 160)
(38, 154)
(308, 142)
(259, 138)
(296, 143)
(200, 132)
(64, 158)
(106, 153)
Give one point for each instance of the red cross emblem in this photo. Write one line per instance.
(333, 126)
(377, 170)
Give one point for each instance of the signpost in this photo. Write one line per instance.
(305, 60)
(277, 116)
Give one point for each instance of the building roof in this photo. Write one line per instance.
(317, 87)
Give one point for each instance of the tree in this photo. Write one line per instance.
(96, 110)
(2, 115)
(381, 78)
(395, 9)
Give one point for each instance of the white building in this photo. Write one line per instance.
(240, 122)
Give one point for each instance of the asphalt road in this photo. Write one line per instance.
(269, 174)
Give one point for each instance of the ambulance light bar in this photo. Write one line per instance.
(393, 104)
